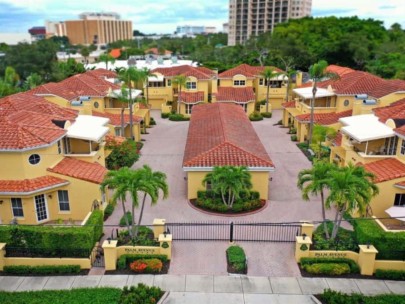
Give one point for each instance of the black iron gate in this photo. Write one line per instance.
(234, 231)
(97, 257)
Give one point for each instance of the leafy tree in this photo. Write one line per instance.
(9, 83)
(106, 58)
(180, 81)
(85, 52)
(268, 74)
(65, 69)
(122, 155)
(134, 182)
(229, 181)
(351, 189)
(317, 72)
(320, 134)
(314, 181)
(32, 81)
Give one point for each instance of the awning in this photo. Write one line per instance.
(88, 127)
(306, 93)
(365, 127)
(117, 93)
(397, 212)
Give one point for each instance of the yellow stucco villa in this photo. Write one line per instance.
(52, 161)
(221, 134)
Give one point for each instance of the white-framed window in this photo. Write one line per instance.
(41, 208)
(189, 107)
(63, 198)
(117, 131)
(399, 199)
(66, 144)
(59, 147)
(403, 147)
(261, 81)
(191, 85)
(17, 207)
(239, 83)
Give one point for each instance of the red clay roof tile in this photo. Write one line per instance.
(91, 172)
(324, 118)
(191, 97)
(338, 139)
(246, 70)
(186, 70)
(386, 169)
(288, 104)
(242, 95)
(221, 134)
(31, 185)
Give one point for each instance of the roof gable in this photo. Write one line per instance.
(386, 169)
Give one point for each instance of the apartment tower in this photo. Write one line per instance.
(252, 17)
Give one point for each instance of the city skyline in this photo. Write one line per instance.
(163, 16)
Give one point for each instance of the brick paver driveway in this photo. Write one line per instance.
(163, 151)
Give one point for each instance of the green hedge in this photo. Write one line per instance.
(255, 116)
(390, 246)
(42, 270)
(354, 268)
(178, 117)
(327, 268)
(95, 222)
(165, 115)
(236, 257)
(108, 211)
(126, 259)
(390, 274)
(336, 297)
(141, 294)
(152, 122)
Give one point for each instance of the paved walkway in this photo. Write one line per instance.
(214, 289)
(163, 150)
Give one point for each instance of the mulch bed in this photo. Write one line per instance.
(193, 203)
(165, 270)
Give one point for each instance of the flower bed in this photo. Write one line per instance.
(141, 263)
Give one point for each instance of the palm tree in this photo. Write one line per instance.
(317, 72)
(314, 181)
(229, 181)
(268, 74)
(145, 74)
(130, 77)
(289, 74)
(181, 81)
(126, 181)
(106, 58)
(351, 189)
(319, 134)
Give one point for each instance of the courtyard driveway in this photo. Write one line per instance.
(163, 150)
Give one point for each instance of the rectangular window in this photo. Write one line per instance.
(169, 82)
(188, 108)
(117, 131)
(261, 81)
(191, 85)
(239, 83)
(399, 199)
(403, 147)
(59, 147)
(16, 205)
(66, 143)
(63, 200)
(40, 208)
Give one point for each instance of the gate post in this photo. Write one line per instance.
(367, 259)
(110, 254)
(158, 227)
(302, 245)
(307, 229)
(231, 233)
(165, 241)
(2, 254)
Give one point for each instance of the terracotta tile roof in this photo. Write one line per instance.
(246, 70)
(191, 97)
(221, 134)
(90, 172)
(114, 140)
(31, 185)
(288, 104)
(186, 70)
(115, 53)
(400, 184)
(115, 119)
(102, 73)
(386, 169)
(324, 118)
(339, 70)
(393, 111)
(242, 95)
(28, 121)
(338, 139)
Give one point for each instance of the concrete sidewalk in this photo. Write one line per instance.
(214, 289)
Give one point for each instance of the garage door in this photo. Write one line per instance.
(156, 104)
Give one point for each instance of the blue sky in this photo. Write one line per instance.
(162, 16)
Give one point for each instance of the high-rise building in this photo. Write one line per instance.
(252, 17)
(92, 28)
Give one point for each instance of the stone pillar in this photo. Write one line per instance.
(165, 241)
(110, 254)
(367, 259)
(307, 229)
(158, 227)
(302, 247)
(2, 254)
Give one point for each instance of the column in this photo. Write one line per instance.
(165, 241)
(367, 259)
(302, 245)
(110, 254)
(158, 227)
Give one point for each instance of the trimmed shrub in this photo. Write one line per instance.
(108, 211)
(141, 294)
(354, 268)
(42, 270)
(122, 155)
(346, 239)
(236, 258)
(95, 222)
(336, 297)
(178, 117)
(294, 137)
(152, 122)
(165, 115)
(390, 274)
(255, 116)
(390, 246)
(266, 114)
(123, 222)
(146, 266)
(328, 268)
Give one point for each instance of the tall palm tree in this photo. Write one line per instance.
(133, 182)
(317, 72)
(145, 74)
(314, 181)
(268, 74)
(351, 189)
(229, 181)
(181, 81)
(130, 77)
(289, 74)
(106, 58)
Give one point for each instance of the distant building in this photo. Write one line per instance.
(225, 28)
(252, 17)
(37, 33)
(191, 30)
(15, 38)
(210, 30)
(92, 28)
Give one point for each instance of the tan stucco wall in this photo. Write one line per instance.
(385, 199)
(83, 263)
